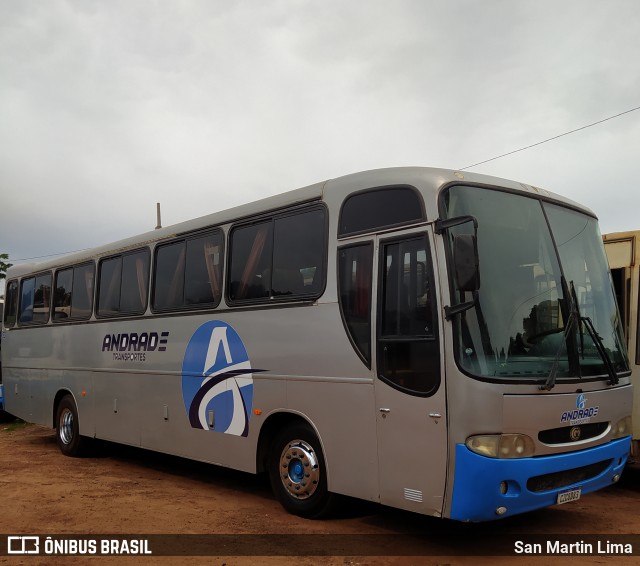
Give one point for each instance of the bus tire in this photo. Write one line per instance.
(298, 473)
(68, 428)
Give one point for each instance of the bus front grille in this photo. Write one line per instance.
(557, 480)
(567, 434)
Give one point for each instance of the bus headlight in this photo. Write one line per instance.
(501, 445)
(622, 428)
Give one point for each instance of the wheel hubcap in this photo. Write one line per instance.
(299, 469)
(66, 426)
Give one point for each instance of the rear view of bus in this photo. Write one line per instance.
(538, 384)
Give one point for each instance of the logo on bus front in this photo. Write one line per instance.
(581, 414)
(217, 380)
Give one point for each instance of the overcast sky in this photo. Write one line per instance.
(109, 107)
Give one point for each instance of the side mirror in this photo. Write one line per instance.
(465, 259)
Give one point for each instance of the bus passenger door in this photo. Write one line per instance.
(411, 409)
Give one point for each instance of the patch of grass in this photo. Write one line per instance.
(16, 424)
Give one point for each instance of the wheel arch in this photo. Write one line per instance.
(274, 424)
(61, 394)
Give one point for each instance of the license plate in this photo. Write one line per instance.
(569, 495)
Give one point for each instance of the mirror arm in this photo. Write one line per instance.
(450, 312)
(442, 225)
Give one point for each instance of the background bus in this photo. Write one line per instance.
(623, 253)
(1, 387)
(437, 341)
(3, 415)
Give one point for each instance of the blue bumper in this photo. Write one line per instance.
(476, 486)
(1, 397)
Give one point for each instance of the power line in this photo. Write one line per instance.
(550, 139)
(49, 255)
(459, 169)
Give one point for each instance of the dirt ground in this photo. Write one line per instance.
(127, 491)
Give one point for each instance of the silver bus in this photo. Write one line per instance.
(441, 342)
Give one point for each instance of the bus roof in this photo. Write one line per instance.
(423, 176)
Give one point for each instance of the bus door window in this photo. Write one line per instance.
(408, 351)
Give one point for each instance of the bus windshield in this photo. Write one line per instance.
(545, 305)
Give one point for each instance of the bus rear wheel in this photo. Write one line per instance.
(68, 428)
(298, 474)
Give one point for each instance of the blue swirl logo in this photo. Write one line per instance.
(581, 401)
(217, 380)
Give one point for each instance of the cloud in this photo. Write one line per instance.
(107, 108)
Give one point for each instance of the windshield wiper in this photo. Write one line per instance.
(573, 317)
(604, 355)
(576, 318)
(571, 321)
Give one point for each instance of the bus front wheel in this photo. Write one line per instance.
(298, 474)
(68, 428)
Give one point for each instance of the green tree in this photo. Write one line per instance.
(4, 265)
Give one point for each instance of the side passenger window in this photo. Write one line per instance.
(354, 281)
(11, 304)
(123, 284)
(35, 299)
(188, 273)
(279, 258)
(378, 208)
(251, 262)
(73, 293)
